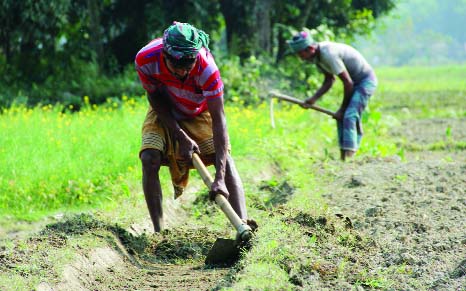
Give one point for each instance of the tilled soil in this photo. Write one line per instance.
(172, 260)
(127, 259)
(105, 269)
(414, 210)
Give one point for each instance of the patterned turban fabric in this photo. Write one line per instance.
(183, 39)
(300, 41)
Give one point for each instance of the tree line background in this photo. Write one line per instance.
(60, 50)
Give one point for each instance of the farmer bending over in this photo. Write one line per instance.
(185, 115)
(359, 82)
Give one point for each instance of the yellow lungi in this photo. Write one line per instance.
(156, 136)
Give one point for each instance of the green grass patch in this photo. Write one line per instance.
(422, 78)
(53, 159)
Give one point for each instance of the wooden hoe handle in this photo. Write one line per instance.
(244, 231)
(300, 102)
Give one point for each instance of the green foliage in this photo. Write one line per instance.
(242, 83)
(67, 87)
(29, 34)
(377, 7)
(61, 50)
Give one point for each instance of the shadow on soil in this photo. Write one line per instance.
(170, 246)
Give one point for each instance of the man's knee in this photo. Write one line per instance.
(151, 159)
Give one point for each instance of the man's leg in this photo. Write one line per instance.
(340, 138)
(350, 131)
(344, 154)
(349, 154)
(151, 161)
(350, 128)
(235, 188)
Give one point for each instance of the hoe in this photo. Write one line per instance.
(300, 102)
(224, 251)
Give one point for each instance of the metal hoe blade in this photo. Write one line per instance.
(224, 252)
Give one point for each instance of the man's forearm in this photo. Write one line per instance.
(326, 85)
(159, 104)
(321, 91)
(348, 92)
(347, 88)
(220, 137)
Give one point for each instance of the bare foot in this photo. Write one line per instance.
(345, 154)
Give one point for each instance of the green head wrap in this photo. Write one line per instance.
(183, 39)
(300, 41)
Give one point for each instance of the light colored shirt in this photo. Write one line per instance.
(337, 57)
(189, 96)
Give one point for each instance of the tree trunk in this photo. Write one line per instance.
(95, 32)
(5, 39)
(264, 25)
(306, 12)
(240, 27)
(281, 43)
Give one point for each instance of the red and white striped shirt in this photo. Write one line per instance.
(189, 96)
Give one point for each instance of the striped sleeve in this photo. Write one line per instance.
(210, 80)
(146, 63)
(149, 84)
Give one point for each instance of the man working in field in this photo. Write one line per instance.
(359, 83)
(186, 115)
